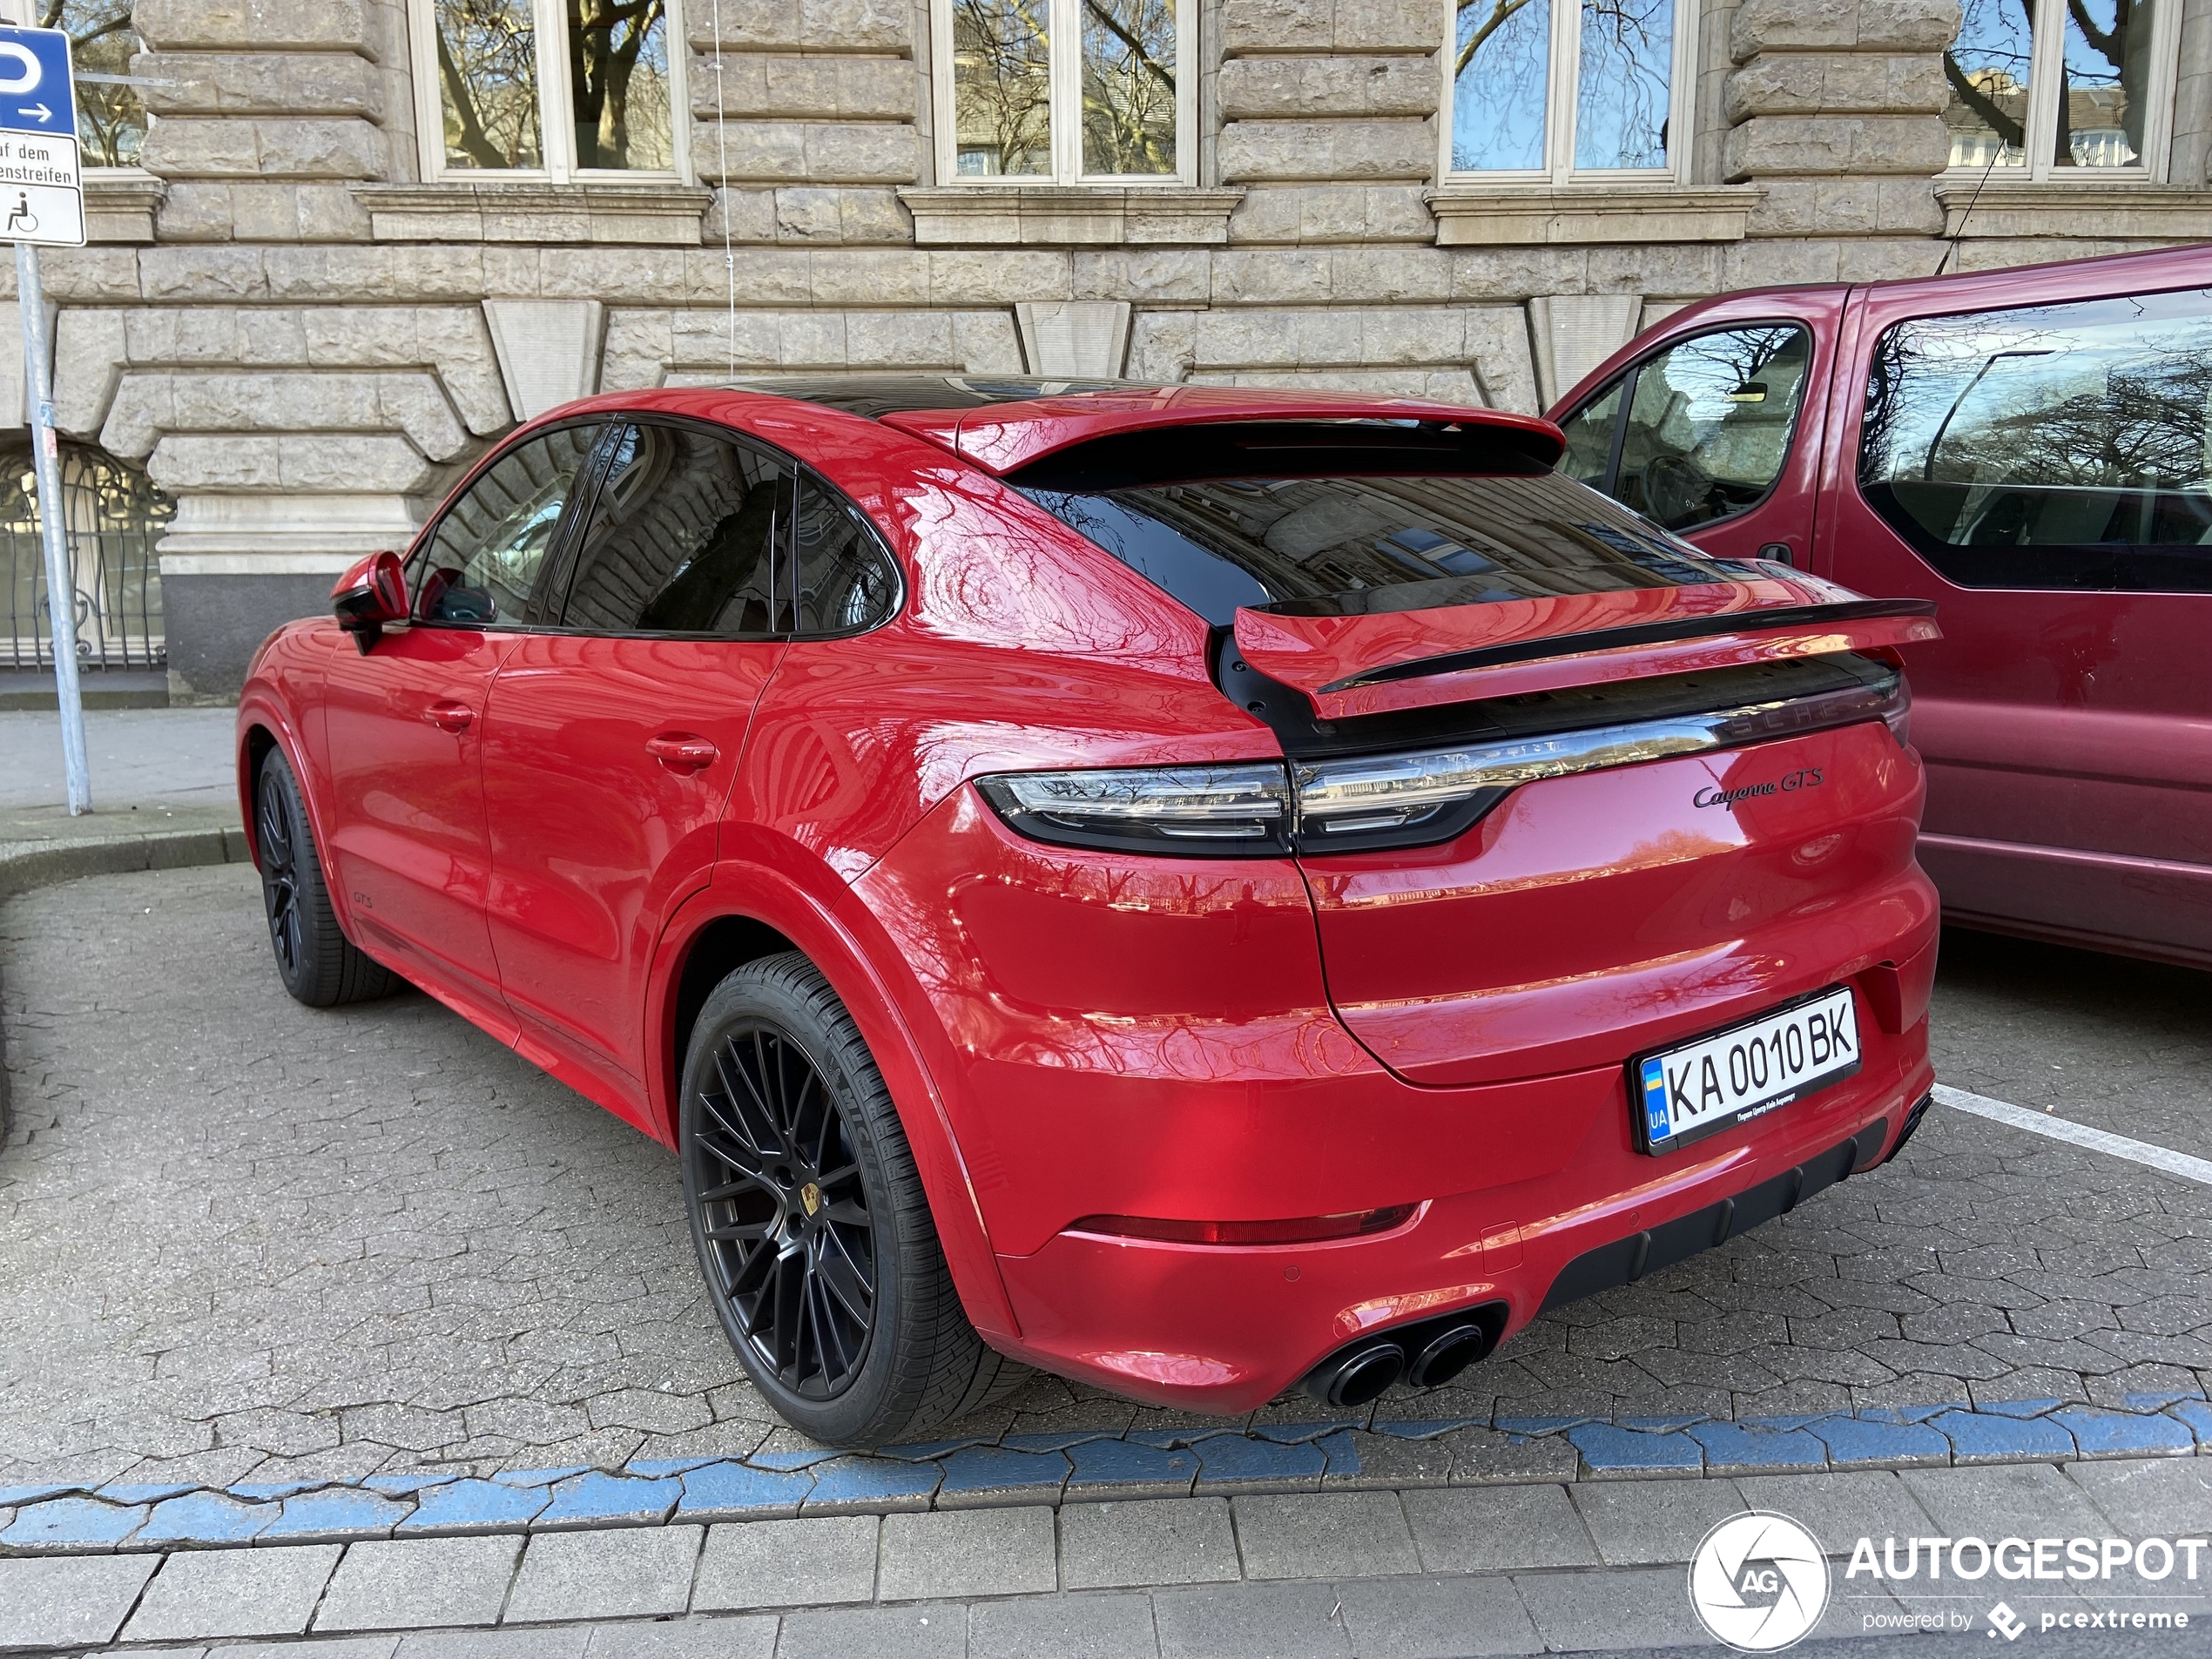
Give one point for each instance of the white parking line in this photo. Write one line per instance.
(2097, 1140)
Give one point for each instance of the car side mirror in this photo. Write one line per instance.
(371, 593)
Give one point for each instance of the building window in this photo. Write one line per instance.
(2062, 88)
(1065, 92)
(111, 116)
(609, 100)
(1552, 90)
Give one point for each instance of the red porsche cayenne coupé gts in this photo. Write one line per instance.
(1197, 890)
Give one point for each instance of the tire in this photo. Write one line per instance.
(319, 965)
(813, 1234)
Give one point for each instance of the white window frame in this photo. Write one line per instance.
(1562, 94)
(1064, 24)
(2045, 56)
(556, 123)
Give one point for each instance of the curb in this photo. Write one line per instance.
(25, 866)
(28, 865)
(1077, 1466)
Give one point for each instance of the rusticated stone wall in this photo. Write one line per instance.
(304, 342)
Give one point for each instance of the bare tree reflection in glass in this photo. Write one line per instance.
(110, 119)
(1002, 88)
(2102, 76)
(1987, 68)
(488, 80)
(1627, 59)
(1501, 83)
(1129, 86)
(2062, 446)
(618, 76)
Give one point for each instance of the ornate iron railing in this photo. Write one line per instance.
(114, 516)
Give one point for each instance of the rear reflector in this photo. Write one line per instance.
(1302, 1230)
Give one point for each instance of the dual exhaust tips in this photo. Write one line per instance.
(1426, 1355)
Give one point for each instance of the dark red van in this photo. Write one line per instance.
(2031, 448)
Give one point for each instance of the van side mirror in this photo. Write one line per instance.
(371, 593)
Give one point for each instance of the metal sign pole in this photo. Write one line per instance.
(61, 584)
(39, 168)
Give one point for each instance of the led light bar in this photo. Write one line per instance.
(1369, 801)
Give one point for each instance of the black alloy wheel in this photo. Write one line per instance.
(786, 1228)
(277, 833)
(319, 965)
(813, 1229)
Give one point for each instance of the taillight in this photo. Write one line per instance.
(1898, 715)
(1357, 803)
(1185, 811)
(1304, 1229)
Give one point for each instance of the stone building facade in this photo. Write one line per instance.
(303, 323)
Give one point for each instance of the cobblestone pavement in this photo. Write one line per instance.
(1380, 1575)
(240, 1240)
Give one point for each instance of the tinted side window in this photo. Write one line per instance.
(2066, 446)
(1709, 423)
(684, 537)
(485, 558)
(846, 579)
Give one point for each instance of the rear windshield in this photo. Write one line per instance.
(1341, 546)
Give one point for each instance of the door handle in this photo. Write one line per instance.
(682, 751)
(449, 716)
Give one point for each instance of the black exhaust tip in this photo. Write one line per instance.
(1357, 1377)
(1446, 1355)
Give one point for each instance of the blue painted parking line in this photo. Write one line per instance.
(1069, 1466)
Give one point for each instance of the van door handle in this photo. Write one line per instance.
(682, 751)
(449, 716)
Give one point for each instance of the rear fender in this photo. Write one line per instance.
(758, 893)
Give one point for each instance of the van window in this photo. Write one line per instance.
(1710, 423)
(2064, 446)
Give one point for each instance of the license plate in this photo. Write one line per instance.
(1699, 1088)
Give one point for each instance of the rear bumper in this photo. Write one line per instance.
(1226, 1329)
(1153, 1037)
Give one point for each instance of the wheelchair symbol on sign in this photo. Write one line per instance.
(21, 220)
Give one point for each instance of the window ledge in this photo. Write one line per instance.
(2105, 210)
(662, 213)
(1470, 215)
(1059, 215)
(120, 204)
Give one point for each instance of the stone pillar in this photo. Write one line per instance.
(271, 108)
(1328, 110)
(2191, 164)
(804, 111)
(1836, 109)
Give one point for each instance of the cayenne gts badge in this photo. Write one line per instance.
(1808, 777)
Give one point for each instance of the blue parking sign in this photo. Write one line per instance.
(42, 194)
(37, 93)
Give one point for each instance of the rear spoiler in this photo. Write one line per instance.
(1312, 654)
(1005, 438)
